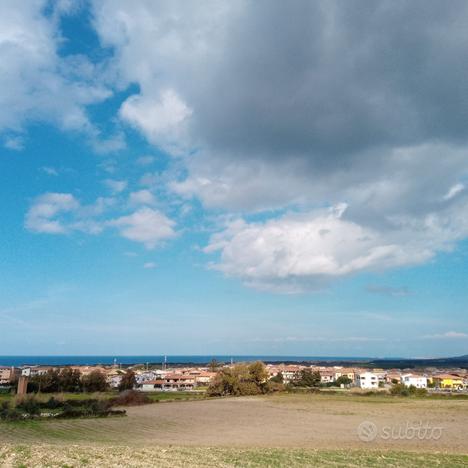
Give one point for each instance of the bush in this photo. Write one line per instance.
(128, 381)
(94, 382)
(52, 403)
(9, 414)
(403, 390)
(307, 378)
(29, 406)
(240, 379)
(130, 398)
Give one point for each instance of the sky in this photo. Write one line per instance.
(249, 177)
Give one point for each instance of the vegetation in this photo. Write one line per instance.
(68, 380)
(130, 398)
(402, 390)
(307, 378)
(94, 382)
(343, 380)
(128, 381)
(278, 378)
(61, 456)
(33, 408)
(214, 365)
(241, 379)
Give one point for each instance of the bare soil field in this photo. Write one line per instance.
(301, 421)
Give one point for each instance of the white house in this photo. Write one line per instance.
(366, 380)
(418, 381)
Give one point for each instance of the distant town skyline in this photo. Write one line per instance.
(234, 178)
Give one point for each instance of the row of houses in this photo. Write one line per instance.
(146, 380)
(455, 379)
(192, 378)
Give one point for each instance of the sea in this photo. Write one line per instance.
(158, 359)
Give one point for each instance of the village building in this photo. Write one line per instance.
(366, 380)
(415, 380)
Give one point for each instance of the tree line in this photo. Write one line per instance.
(71, 381)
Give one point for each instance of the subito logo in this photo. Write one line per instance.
(367, 431)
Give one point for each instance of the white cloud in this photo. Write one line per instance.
(116, 186)
(448, 335)
(160, 118)
(142, 197)
(51, 171)
(145, 160)
(36, 84)
(15, 143)
(297, 252)
(145, 225)
(62, 213)
(41, 216)
(454, 191)
(149, 265)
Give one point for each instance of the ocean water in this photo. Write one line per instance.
(195, 359)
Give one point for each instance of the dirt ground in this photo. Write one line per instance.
(302, 421)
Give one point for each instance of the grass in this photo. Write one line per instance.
(175, 396)
(92, 456)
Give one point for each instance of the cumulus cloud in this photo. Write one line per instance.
(142, 197)
(145, 225)
(116, 186)
(307, 250)
(298, 106)
(62, 213)
(160, 119)
(37, 84)
(41, 216)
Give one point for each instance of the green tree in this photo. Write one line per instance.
(343, 380)
(307, 378)
(240, 379)
(94, 382)
(47, 383)
(70, 380)
(128, 381)
(214, 365)
(278, 378)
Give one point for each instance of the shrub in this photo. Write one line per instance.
(307, 378)
(9, 414)
(52, 403)
(278, 378)
(130, 398)
(94, 382)
(128, 381)
(29, 406)
(240, 379)
(403, 390)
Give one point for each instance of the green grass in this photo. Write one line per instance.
(174, 396)
(74, 456)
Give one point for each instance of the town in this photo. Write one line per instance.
(146, 378)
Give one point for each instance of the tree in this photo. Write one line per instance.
(278, 378)
(214, 365)
(307, 378)
(47, 383)
(343, 380)
(258, 373)
(128, 381)
(94, 382)
(240, 379)
(70, 380)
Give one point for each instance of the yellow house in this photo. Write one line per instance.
(447, 381)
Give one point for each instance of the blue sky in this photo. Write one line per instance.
(189, 179)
